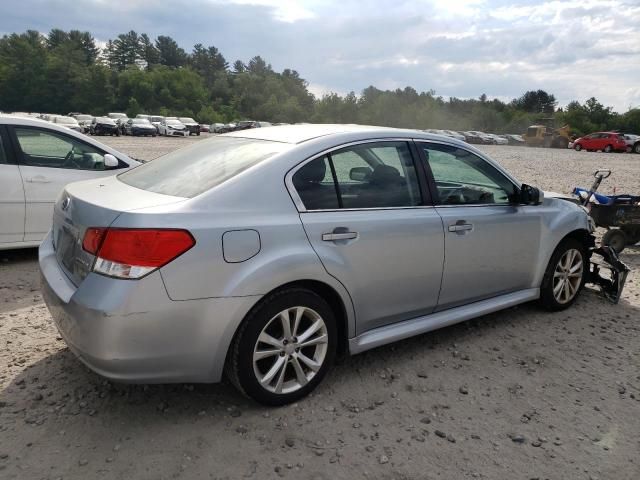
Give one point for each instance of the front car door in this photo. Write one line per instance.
(373, 228)
(11, 195)
(491, 243)
(48, 161)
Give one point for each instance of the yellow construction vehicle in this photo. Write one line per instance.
(545, 135)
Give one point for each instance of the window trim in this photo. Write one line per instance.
(417, 163)
(19, 154)
(432, 181)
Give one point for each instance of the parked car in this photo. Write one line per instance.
(605, 141)
(204, 128)
(227, 127)
(497, 139)
(265, 252)
(191, 124)
(247, 124)
(120, 119)
(471, 137)
(84, 121)
(452, 134)
(633, 142)
(139, 127)
(68, 122)
(514, 139)
(216, 128)
(104, 126)
(37, 159)
(485, 138)
(156, 120)
(170, 127)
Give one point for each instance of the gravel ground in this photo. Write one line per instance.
(519, 394)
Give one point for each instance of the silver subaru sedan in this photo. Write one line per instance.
(265, 253)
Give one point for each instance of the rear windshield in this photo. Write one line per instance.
(190, 171)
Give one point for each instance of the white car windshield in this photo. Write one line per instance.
(173, 122)
(187, 120)
(66, 120)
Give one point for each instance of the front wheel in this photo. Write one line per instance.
(284, 347)
(578, 147)
(565, 275)
(608, 149)
(636, 148)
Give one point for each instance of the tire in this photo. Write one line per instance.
(636, 148)
(608, 149)
(616, 239)
(577, 147)
(633, 235)
(556, 274)
(244, 370)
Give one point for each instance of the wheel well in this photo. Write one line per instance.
(581, 235)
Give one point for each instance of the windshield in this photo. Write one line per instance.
(173, 122)
(187, 120)
(105, 120)
(141, 121)
(190, 171)
(156, 119)
(117, 115)
(83, 117)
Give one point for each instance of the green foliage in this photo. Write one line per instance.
(65, 71)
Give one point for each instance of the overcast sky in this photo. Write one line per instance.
(575, 48)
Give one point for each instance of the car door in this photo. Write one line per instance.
(49, 160)
(491, 243)
(373, 228)
(11, 194)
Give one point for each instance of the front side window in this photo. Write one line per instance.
(372, 175)
(463, 178)
(42, 148)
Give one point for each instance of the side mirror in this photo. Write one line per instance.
(110, 161)
(360, 174)
(530, 195)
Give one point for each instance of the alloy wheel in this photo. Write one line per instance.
(567, 276)
(290, 350)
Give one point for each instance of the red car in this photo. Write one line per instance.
(605, 141)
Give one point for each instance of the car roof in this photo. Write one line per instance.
(296, 134)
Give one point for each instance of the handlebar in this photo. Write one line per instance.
(602, 173)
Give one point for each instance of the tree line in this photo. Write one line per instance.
(67, 71)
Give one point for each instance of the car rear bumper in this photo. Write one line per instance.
(131, 331)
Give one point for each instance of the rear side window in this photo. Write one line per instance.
(190, 171)
(372, 175)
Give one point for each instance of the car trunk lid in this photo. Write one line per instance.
(93, 203)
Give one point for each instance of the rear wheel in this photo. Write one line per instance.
(616, 239)
(608, 149)
(565, 275)
(636, 148)
(284, 347)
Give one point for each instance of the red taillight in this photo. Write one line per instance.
(93, 239)
(133, 253)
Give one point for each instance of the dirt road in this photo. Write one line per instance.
(519, 394)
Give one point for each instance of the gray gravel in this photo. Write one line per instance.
(517, 394)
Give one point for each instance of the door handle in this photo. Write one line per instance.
(332, 237)
(38, 179)
(460, 227)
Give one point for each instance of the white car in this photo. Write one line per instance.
(37, 160)
(633, 142)
(499, 139)
(69, 122)
(171, 127)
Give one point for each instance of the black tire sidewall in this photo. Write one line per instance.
(547, 299)
(256, 321)
(613, 234)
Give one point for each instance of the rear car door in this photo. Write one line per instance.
(373, 228)
(491, 243)
(49, 160)
(11, 194)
